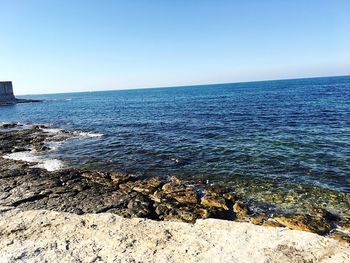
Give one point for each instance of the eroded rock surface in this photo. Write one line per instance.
(48, 236)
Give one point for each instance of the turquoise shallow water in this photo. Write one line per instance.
(286, 141)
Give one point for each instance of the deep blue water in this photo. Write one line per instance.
(275, 132)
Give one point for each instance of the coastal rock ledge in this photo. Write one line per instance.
(48, 236)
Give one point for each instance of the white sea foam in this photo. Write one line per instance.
(22, 156)
(33, 157)
(52, 130)
(87, 134)
(74, 133)
(51, 164)
(46, 163)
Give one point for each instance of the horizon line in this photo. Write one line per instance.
(189, 85)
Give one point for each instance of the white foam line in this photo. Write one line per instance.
(32, 157)
(52, 130)
(87, 134)
(75, 133)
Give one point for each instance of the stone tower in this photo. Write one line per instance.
(6, 92)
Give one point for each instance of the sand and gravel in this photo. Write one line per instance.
(48, 236)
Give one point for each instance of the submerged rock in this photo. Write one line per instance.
(323, 213)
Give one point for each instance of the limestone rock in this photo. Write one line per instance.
(214, 201)
(148, 186)
(181, 193)
(98, 177)
(258, 219)
(240, 209)
(48, 236)
(119, 178)
(177, 212)
(305, 223)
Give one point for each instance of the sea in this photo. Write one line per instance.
(285, 143)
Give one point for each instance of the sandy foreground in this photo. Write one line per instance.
(48, 236)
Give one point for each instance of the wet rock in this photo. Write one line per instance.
(165, 210)
(258, 219)
(204, 213)
(187, 214)
(98, 177)
(345, 224)
(216, 190)
(181, 193)
(119, 178)
(148, 186)
(36, 128)
(323, 213)
(214, 201)
(241, 210)
(220, 213)
(9, 125)
(305, 223)
(140, 206)
(18, 149)
(272, 223)
(230, 197)
(176, 212)
(29, 197)
(176, 180)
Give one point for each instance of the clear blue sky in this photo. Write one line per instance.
(76, 45)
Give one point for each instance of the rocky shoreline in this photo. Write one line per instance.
(81, 191)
